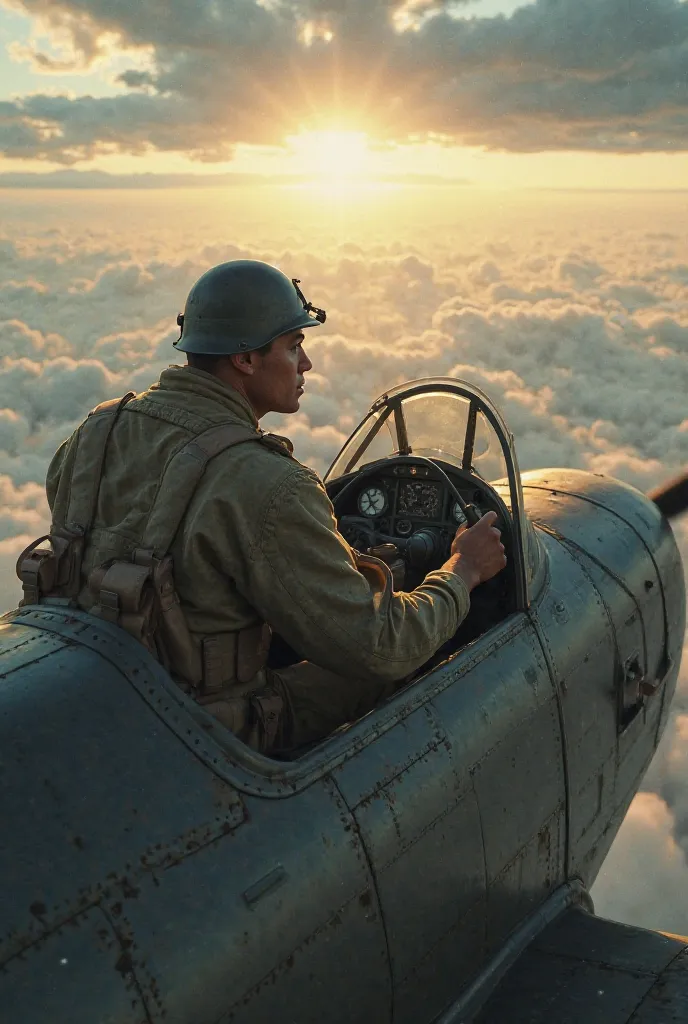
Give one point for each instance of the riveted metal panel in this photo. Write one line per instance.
(633, 512)
(20, 646)
(421, 828)
(276, 922)
(606, 492)
(79, 974)
(499, 683)
(445, 969)
(427, 881)
(502, 720)
(604, 620)
(372, 767)
(100, 791)
(520, 786)
(125, 815)
(527, 880)
(619, 560)
(636, 747)
(579, 641)
(486, 981)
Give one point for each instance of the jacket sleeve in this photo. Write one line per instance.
(305, 583)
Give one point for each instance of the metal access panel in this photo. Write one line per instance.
(420, 825)
(75, 717)
(277, 922)
(502, 719)
(46, 984)
(464, 830)
(226, 896)
(610, 637)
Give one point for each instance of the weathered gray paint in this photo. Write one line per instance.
(375, 877)
(616, 590)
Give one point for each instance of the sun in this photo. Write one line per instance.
(332, 157)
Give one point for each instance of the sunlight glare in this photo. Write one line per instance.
(332, 157)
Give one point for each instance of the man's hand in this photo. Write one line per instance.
(477, 552)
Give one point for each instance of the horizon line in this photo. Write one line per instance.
(92, 180)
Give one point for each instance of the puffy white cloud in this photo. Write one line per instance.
(586, 74)
(14, 430)
(643, 880)
(55, 390)
(23, 509)
(10, 588)
(24, 515)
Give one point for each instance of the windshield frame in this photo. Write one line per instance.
(388, 409)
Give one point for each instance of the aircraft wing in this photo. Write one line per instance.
(583, 969)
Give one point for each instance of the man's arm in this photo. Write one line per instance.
(302, 578)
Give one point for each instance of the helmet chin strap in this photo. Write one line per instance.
(320, 314)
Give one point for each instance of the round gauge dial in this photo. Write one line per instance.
(372, 501)
(458, 514)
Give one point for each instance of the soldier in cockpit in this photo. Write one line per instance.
(177, 518)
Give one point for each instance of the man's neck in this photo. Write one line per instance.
(236, 382)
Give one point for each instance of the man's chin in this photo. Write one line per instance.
(289, 407)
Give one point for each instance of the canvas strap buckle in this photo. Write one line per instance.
(36, 569)
(50, 570)
(231, 660)
(268, 708)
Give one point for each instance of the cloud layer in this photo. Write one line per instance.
(571, 312)
(604, 75)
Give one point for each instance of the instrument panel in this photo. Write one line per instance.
(409, 504)
(410, 508)
(408, 498)
(406, 514)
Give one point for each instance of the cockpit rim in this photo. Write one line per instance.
(246, 770)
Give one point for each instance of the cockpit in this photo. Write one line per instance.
(430, 456)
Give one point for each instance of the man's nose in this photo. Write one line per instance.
(305, 365)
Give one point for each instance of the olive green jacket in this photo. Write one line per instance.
(259, 540)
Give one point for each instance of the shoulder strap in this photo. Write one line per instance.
(180, 480)
(88, 463)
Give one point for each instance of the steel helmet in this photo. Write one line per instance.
(240, 306)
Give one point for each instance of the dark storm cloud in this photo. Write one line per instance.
(604, 75)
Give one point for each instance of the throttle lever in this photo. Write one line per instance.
(472, 514)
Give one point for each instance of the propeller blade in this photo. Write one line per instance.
(671, 498)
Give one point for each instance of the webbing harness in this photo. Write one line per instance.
(139, 595)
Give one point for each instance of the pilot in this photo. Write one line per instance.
(199, 533)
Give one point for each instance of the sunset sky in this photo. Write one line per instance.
(456, 183)
(553, 93)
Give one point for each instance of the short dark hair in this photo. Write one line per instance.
(202, 362)
(209, 364)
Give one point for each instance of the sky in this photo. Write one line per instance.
(490, 190)
(551, 93)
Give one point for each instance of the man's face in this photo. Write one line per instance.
(276, 384)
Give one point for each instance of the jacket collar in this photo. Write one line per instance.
(205, 385)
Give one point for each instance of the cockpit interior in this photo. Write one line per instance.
(431, 456)
(403, 511)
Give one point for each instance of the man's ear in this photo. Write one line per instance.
(243, 362)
